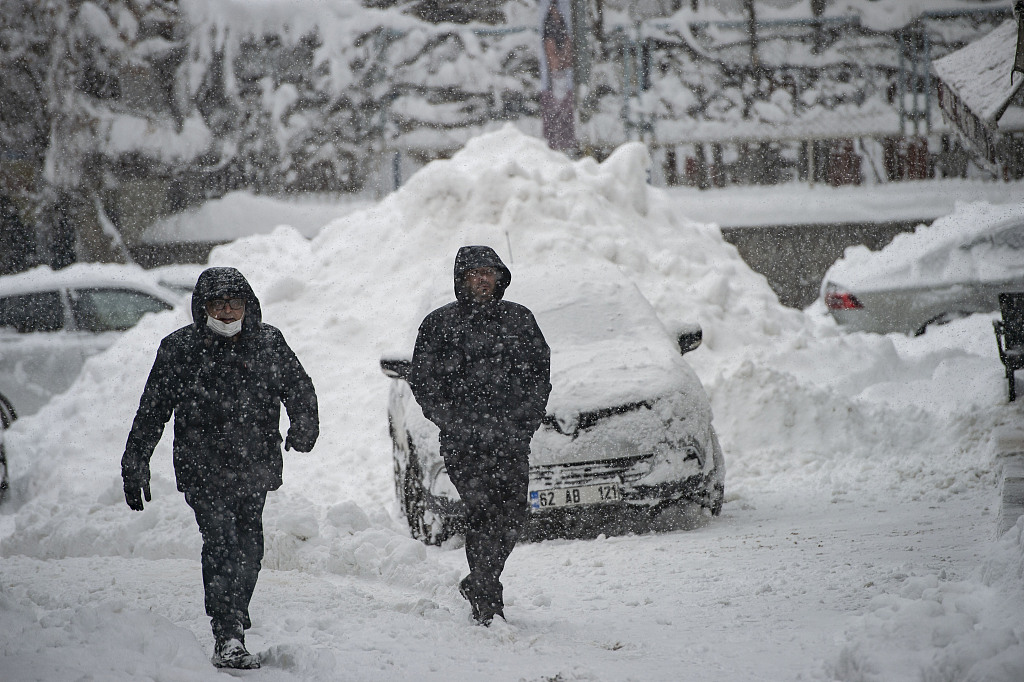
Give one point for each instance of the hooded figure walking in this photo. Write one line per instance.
(481, 372)
(224, 377)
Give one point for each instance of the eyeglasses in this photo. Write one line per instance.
(485, 271)
(218, 305)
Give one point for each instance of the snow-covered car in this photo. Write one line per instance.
(955, 267)
(627, 443)
(52, 320)
(179, 277)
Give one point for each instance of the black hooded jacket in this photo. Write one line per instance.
(481, 371)
(226, 396)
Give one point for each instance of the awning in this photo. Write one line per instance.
(978, 93)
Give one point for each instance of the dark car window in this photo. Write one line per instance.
(102, 310)
(38, 312)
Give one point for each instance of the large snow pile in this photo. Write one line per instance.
(799, 408)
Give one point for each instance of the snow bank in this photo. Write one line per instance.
(64, 650)
(938, 631)
(896, 415)
(935, 629)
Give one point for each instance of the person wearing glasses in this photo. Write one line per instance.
(224, 378)
(481, 371)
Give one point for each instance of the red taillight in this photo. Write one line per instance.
(837, 300)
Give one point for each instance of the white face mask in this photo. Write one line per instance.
(223, 328)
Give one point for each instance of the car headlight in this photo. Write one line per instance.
(693, 451)
(676, 461)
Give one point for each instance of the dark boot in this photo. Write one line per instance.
(491, 601)
(471, 592)
(486, 601)
(231, 653)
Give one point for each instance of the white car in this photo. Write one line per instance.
(180, 278)
(955, 267)
(627, 444)
(52, 320)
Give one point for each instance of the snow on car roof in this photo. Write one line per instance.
(42, 278)
(608, 346)
(913, 257)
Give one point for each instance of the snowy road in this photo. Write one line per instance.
(773, 589)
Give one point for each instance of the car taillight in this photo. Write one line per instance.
(841, 300)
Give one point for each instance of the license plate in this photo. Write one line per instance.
(571, 497)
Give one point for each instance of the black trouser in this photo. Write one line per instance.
(493, 483)
(231, 523)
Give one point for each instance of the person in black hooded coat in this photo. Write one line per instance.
(481, 372)
(224, 377)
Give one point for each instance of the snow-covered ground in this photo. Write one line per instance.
(857, 541)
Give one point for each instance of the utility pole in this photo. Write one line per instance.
(755, 64)
(817, 11)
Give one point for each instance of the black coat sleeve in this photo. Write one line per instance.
(155, 408)
(533, 374)
(428, 375)
(299, 398)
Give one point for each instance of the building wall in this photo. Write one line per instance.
(794, 258)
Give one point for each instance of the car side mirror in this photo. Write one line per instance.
(978, 241)
(396, 369)
(689, 338)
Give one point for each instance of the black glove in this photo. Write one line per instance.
(297, 444)
(135, 486)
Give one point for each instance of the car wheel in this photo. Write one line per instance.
(3, 473)
(424, 525)
(944, 318)
(716, 498)
(399, 459)
(679, 515)
(7, 417)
